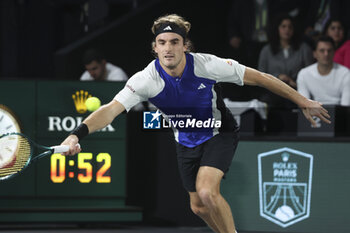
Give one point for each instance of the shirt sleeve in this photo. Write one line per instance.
(347, 58)
(345, 96)
(301, 85)
(342, 54)
(86, 76)
(219, 69)
(134, 92)
(118, 75)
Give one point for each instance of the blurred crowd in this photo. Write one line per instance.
(303, 43)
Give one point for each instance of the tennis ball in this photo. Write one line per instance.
(92, 103)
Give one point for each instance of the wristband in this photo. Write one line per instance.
(81, 131)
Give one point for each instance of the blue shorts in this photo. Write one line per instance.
(217, 152)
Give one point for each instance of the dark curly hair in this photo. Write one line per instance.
(180, 21)
(328, 24)
(92, 55)
(274, 37)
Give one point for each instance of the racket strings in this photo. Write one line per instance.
(19, 159)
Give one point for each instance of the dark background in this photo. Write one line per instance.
(46, 38)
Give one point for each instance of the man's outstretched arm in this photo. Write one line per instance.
(309, 107)
(95, 121)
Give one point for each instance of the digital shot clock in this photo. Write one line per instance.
(98, 170)
(81, 168)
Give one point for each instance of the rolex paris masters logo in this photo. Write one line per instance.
(285, 178)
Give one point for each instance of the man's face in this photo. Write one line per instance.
(170, 49)
(97, 69)
(324, 53)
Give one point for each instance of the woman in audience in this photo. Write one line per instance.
(334, 28)
(284, 56)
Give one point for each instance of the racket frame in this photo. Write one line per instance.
(31, 158)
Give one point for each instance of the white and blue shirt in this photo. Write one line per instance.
(195, 95)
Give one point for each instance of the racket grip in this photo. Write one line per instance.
(60, 149)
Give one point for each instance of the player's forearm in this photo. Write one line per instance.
(98, 119)
(282, 89)
(103, 116)
(273, 84)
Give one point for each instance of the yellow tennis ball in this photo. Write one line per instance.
(92, 103)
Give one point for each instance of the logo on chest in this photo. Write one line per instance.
(201, 86)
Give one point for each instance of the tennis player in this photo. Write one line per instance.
(183, 85)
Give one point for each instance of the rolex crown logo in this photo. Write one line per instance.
(79, 99)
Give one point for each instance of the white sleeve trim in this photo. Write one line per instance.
(140, 87)
(218, 69)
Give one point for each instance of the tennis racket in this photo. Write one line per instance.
(17, 153)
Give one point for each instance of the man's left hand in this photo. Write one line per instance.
(314, 108)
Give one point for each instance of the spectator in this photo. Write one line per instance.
(98, 69)
(319, 13)
(342, 55)
(248, 24)
(285, 55)
(334, 28)
(325, 81)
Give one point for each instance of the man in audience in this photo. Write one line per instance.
(325, 81)
(98, 69)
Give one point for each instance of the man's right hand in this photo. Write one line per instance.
(73, 142)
